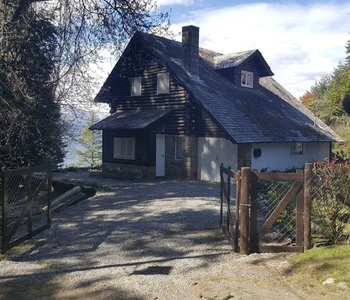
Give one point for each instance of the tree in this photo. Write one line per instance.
(45, 54)
(91, 141)
(30, 128)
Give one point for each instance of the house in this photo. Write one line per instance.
(179, 110)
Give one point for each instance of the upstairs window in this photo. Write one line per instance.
(163, 83)
(124, 148)
(247, 79)
(296, 148)
(135, 86)
(178, 147)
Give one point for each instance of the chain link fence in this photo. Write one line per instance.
(330, 198)
(24, 197)
(270, 194)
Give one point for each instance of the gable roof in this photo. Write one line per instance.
(233, 60)
(264, 114)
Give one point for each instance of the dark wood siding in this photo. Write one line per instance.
(141, 147)
(179, 122)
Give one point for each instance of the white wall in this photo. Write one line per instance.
(211, 153)
(276, 156)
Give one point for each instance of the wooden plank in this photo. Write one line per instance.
(279, 249)
(244, 224)
(238, 202)
(254, 241)
(299, 230)
(281, 176)
(280, 207)
(23, 171)
(221, 193)
(229, 217)
(307, 206)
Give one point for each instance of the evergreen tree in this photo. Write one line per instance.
(30, 128)
(91, 141)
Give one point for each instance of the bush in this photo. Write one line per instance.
(331, 200)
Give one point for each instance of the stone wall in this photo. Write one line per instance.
(187, 166)
(128, 172)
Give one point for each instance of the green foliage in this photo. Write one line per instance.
(91, 141)
(346, 103)
(331, 200)
(30, 128)
(273, 192)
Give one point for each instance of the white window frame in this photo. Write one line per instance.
(296, 148)
(178, 152)
(124, 148)
(245, 75)
(163, 83)
(136, 86)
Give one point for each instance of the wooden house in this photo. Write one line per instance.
(178, 110)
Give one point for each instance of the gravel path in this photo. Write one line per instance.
(147, 240)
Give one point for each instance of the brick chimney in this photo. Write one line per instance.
(190, 49)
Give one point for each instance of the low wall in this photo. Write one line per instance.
(126, 172)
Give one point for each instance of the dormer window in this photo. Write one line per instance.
(247, 79)
(135, 86)
(163, 83)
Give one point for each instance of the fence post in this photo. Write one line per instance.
(307, 205)
(221, 193)
(254, 241)
(245, 182)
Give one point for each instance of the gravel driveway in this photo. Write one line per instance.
(147, 240)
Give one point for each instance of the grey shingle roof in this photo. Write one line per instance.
(130, 119)
(267, 113)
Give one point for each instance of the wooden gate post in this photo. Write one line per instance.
(244, 238)
(307, 206)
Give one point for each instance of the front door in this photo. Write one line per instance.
(160, 155)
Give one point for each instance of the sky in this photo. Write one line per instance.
(301, 41)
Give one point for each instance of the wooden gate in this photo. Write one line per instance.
(270, 214)
(23, 195)
(283, 198)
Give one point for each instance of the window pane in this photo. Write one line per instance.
(130, 148)
(296, 148)
(136, 86)
(163, 83)
(243, 78)
(123, 146)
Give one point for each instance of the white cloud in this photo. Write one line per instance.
(300, 42)
(175, 2)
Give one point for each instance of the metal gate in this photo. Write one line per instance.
(229, 205)
(25, 204)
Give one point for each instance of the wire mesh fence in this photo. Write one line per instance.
(24, 194)
(330, 198)
(229, 213)
(270, 194)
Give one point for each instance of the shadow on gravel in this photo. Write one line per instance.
(130, 226)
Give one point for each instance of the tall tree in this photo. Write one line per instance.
(91, 141)
(30, 129)
(45, 54)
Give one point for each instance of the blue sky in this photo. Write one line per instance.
(301, 40)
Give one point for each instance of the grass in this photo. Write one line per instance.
(324, 262)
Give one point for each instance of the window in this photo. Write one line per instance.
(247, 79)
(296, 148)
(163, 83)
(178, 147)
(136, 86)
(124, 148)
